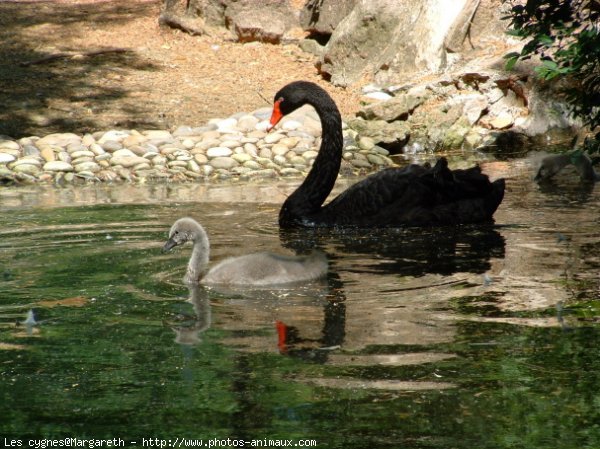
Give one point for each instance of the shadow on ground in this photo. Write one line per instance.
(66, 94)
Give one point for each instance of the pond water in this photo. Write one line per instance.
(472, 337)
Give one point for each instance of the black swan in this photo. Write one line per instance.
(414, 196)
(258, 269)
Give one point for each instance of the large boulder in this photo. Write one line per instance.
(323, 16)
(260, 20)
(249, 20)
(390, 38)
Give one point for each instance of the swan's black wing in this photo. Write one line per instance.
(416, 196)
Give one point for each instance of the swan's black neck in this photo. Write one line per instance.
(305, 202)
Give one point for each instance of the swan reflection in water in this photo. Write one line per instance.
(310, 321)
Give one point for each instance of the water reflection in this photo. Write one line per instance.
(191, 327)
(407, 251)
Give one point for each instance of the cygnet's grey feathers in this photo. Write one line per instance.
(267, 269)
(258, 269)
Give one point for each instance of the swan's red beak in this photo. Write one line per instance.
(281, 336)
(275, 116)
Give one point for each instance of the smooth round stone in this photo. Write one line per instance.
(87, 167)
(28, 169)
(124, 153)
(265, 173)
(244, 140)
(75, 146)
(9, 145)
(97, 149)
(111, 145)
(213, 134)
(297, 160)
(57, 166)
(265, 153)
(288, 171)
(113, 135)
(230, 143)
(273, 138)
(226, 125)
(375, 159)
(360, 163)
(258, 134)
(348, 155)
(200, 158)
(104, 164)
(30, 150)
(48, 154)
(279, 149)
(127, 161)
(133, 140)
(290, 125)
(251, 149)
(240, 170)
(280, 160)
(365, 143)
(310, 154)
(102, 157)
(223, 162)
(193, 166)
(142, 166)
(188, 143)
(247, 122)
(140, 150)
(157, 134)
(289, 142)
(177, 164)
(159, 160)
(241, 157)
(207, 170)
(382, 151)
(264, 161)
(263, 113)
(235, 136)
(82, 153)
(253, 165)
(207, 143)
(29, 160)
(218, 152)
(80, 160)
(312, 127)
(88, 140)
(64, 156)
(183, 131)
(6, 158)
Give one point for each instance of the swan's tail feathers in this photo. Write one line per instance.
(495, 197)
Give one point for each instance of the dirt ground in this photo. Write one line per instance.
(164, 78)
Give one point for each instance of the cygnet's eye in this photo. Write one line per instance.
(176, 232)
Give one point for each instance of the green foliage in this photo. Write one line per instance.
(566, 36)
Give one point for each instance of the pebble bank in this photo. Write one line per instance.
(237, 147)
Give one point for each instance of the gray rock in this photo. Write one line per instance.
(223, 162)
(87, 167)
(218, 152)
(28, 169)
(323, 16)
(260, 20)
(6, 158)
(398, 108)
(381, 131)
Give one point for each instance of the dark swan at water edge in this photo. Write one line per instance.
(414, 196)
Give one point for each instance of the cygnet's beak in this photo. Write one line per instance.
(171, 243)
